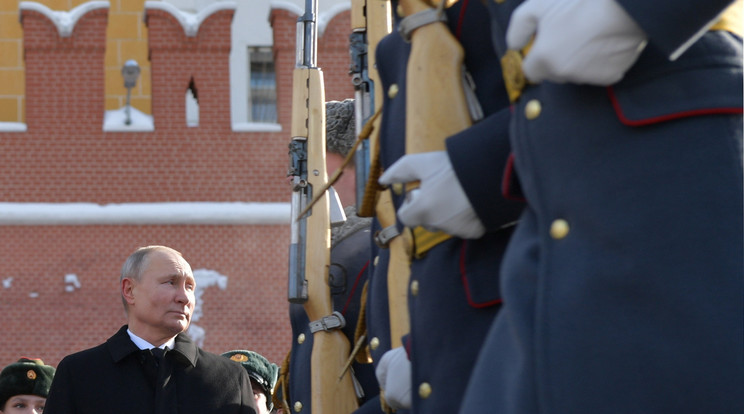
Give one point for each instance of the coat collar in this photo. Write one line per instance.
(120, 346)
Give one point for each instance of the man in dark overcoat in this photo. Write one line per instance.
(150, 365)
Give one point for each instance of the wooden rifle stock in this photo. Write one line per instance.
(399, 271)
(310, 252)
(436, 103)
(373, 17)
(436, 106)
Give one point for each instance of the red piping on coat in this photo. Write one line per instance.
(461, 19)
(464, 279)
(506, 181)
(353, 288)
(669, 117)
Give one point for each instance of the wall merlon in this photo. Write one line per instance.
(65, 21)
(177, 58)
(64, 56)
(190, 22)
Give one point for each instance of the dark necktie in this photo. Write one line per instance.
(158, 371)
(151, 360)
(165, 391)
(158, 354)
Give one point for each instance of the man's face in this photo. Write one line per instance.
(162, 301)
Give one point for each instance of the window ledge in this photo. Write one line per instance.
(255, 127)
(113, 121)
(12, 127)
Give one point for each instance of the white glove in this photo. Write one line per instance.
(440, 202)
(394, 375)
(578, 41)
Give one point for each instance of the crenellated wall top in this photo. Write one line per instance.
(188, 20)
(65, 21)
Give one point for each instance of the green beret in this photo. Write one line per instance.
(25, 377)
(259, 369)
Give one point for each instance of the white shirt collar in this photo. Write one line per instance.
(142, 344)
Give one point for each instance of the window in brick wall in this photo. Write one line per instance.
(192, 105)
(262, 89)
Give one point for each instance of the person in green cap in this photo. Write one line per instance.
(24, 386)
(263, 376)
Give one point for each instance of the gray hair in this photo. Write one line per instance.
(137, 262)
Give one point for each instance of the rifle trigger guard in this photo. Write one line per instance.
(416, 20)
(327, 323)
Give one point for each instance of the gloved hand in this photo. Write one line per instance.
(440, 202)
(394, 376)
(578, 41)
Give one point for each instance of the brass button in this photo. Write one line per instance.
(559, 229)
(399, 10)
(499, 1)
(424, 390)
(397, 188)
(374, 343)
(532, 109)
(300, 338)
(297, 406)
(393, 91)
(414, 287)
(377, 259)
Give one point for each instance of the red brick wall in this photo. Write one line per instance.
(64, 76)
(333, 57)
(251, 313)
(65, 157)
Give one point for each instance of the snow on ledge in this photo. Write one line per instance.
(256, 127)
(186, 213)
(12, 127)
(113, 121)
(190, 21)
(65, 21)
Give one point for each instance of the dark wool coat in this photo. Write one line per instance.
(456, 293)
(111, 378)
(622, 284)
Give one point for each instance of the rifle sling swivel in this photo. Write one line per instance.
(384, 236)
(416, 20)
(333, 321)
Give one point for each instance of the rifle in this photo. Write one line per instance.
(331, 391)
(433, 114)
(370, 22)
(437, 58)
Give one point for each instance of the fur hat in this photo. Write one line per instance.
(340, 126)
(25, 377)
(259, 369)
